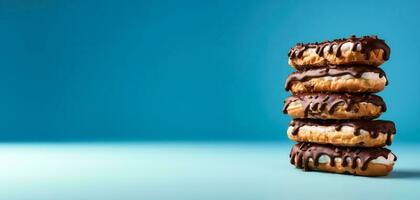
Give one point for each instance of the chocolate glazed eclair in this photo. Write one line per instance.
(334, 106)
(361, 133)
(367, 50)
(352, 160)
(353, 79)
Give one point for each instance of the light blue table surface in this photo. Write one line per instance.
(186, 171)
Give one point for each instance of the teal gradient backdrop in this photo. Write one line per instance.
(181, 70)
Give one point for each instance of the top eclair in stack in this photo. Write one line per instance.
(332, 93)
(367, 50)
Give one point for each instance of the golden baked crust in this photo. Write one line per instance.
(310, 59)
(373, 169)
(337, 138)
(358, 111)
(354, 85)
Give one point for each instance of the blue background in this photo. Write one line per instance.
(181, 70)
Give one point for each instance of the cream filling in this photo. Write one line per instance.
(346, 47)
(365, 75)
(382, 160)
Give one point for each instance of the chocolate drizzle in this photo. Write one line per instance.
(328, 102)
(355, 71)
(367, 43)
(302, 152)
(373, 127)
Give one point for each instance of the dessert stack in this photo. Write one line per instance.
(334, 107)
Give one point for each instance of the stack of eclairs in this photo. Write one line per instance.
(334, 108)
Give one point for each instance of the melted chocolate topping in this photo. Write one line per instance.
(328, 102)
(355, 71)
(367, 43)
(302, 152)
(374, 127)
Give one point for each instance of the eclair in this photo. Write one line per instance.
(373, 161)
(352, 79)
(367, 50)
(334, 106)
(361, 133)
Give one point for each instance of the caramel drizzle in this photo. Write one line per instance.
(367, 43)
(328, 102)
(302, 152)
(355, 71)
(373, 127)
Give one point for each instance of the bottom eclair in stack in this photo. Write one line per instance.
(373, 161)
